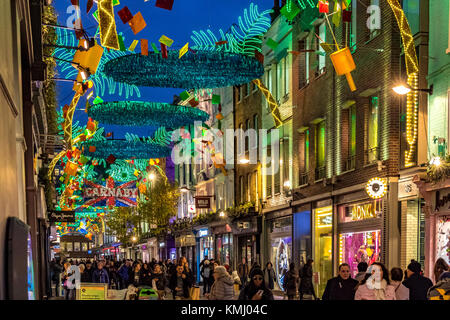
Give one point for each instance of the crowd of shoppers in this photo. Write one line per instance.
(372, 282)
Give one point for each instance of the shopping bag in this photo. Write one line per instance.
(236, 289)
(195, 293)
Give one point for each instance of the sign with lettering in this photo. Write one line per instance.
(360, 211)
(61, 216)
(202, 202)
(92, 291)
(110, 194)
(203, 232)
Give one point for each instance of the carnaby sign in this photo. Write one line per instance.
(110, 194)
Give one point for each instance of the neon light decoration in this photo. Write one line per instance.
(140, 113)
(204, 69)
(273, 105)
(122, 149)
(110, 194)
(107, 25)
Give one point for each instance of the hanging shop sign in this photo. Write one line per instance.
(407, 188)
(202, 202)
(61, 216)
(376, 188)
(244, 225)
(110, 194)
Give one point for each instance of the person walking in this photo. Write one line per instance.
(159, 281)
(146, 274)
(341, 287)
(243, 272)
(269, 275)
(401, 292)
(306, 282)
(439, 267)
(441, 290)
(223, 286)
(290, 281)
(68, 283)
(256, 289)
(123, 272)
(180, 284)
(362, 268)
(57, 270)
(84, 276)
(206, 272)
(376, 284)
(137, 278)
(89, 270)
(417, 284)
(100, 275)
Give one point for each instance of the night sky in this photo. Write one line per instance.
(177, 24)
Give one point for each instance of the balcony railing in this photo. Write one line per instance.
(320, 173)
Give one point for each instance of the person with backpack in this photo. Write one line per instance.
(441, 290)
(417, 284)
(290, 282)
(206, 273)
(306, 283)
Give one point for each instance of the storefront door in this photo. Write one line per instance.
(280, 254)
(246, 249)
(323, 222)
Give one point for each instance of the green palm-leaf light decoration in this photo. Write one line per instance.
(243, 38)
(101, 82)
(140, 113)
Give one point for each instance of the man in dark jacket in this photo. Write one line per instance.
(100, 275)
(57, 269)
(341, 287)
(88, 272)
(243, 271)
(123, 273)
(180, 283)
(417, 284)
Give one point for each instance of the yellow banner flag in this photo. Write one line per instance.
(184, 50)
(133, 45)
(167, 41)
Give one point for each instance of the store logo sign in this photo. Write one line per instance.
(203, 232)
(376, 188)
(191, 209)
(362, 212)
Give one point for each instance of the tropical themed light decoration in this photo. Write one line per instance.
(273, 104)
(243, 38)
(66, 38)
(125, 149)
(140, 113)
(205, 69)
(107, 25)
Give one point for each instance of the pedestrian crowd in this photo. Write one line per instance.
(175, 278)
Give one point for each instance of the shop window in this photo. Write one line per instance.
(305, 161)
(442, 238)
(84, 246)
(349, 137)
(320, 150)
(372, 149)
(280, 239)
(321, 55)
(322, 244)
(303, 69)
(374, 20)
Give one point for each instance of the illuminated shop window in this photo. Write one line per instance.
(323, 222)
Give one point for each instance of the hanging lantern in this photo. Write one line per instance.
(343, 64)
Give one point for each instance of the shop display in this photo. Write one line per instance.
(443, 238)
(281, 255)
(323, 245)
(359, 247)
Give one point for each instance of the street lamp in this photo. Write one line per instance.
(403, 89)
(133, 238)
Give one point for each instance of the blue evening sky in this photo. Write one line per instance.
(177, 24)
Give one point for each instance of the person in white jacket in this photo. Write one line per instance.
(223, 286)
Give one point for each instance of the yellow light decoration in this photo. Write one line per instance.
(68, 121)
(88, 60)
(107, 24)
(376, 188)
(412, 69)
(52, 165)
(271, 101)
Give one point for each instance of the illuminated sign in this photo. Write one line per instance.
(202, 202)
(364, 211)
(191, 209)
(376, 188)
(203, 232)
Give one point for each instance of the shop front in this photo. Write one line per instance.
(360, 233)
(186, 247)
(166, 248)
(280, 247)
(246, 234)
(143, 252)
(322, 242)
(302, 241)
(223, 244)
(437, 223)
(205, 248)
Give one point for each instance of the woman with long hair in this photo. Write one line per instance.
(439, 268)
(376, 284)
(269, 275)
(306, 283)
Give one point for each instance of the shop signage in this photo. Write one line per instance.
(244, 225)
(203, 232)
(202, 202)
(363, 211)
(92, 291)
(442, 203)
(61, 216)
(376, 188)
(110, 195)
(407, 188)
